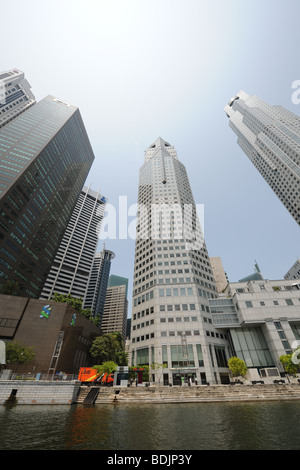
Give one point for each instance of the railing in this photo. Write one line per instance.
(39, 376)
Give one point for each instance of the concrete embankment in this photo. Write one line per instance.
(194, 394)
(68, 393)
(18, 392)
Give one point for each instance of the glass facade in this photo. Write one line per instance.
(250, 345)
(45, 157)
(98, 282)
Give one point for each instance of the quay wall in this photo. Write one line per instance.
(36, 392)
(17, 392)
(198, 394)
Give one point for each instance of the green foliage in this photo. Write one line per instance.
(157, 366)
(237, 366)
(106, 368)
(133, 373)
(289, 366)
(109, 347)
(17, 353)
(76, 304)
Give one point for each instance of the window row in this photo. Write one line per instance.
(261, 303)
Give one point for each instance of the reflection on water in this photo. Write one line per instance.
(195, 426)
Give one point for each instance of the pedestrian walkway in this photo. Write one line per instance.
(185, 394)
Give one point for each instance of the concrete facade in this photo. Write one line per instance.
(71, 269)
(15, 95)
(42, 325)
(115, 310)
(270, 137)
(262, 319)
(173, 279)
(294, 271)
(38, 393)
(220, 276)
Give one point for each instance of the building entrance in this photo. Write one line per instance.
(184, 378)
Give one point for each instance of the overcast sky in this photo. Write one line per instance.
(140, 69)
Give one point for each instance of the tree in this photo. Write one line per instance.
(133, 370)
(237, 366)
(287, 362)
(106, 368)
(17, 353)
(159, 368)
(109, 347)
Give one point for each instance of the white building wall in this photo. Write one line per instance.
(72, 265)
(270, 137)
(173, 279)
(274, 306)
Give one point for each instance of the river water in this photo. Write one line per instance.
(195, 426)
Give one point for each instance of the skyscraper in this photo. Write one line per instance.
(220, 275)
(45, 157)
(15, 95)
(294, 271)
(71, 269)
(173, 280)
(98, 282)
(116, 306)
(270, 137)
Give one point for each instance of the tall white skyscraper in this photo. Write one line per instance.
(173, 280)
(270, 137)
(15, 95)
(72, 266)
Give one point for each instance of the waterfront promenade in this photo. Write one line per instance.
(20, 392)
(193, 394)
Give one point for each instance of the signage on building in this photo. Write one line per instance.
(46, 310)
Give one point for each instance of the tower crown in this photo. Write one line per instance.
(158, 146)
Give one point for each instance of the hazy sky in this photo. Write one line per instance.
(140, 69)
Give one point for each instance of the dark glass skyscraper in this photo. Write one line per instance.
(97, 287)
(45, 157)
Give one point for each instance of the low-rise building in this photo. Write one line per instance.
(261, 319)
(60, 336)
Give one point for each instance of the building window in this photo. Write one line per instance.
(180, 359)
(248, 304)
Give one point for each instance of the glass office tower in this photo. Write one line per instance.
(45, 157)
(270, 137)
(173, 281)
(97, 286)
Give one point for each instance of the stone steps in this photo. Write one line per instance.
(194, 394)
